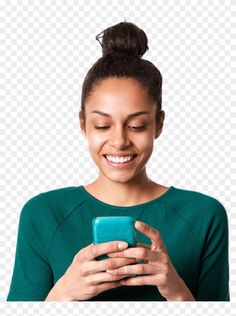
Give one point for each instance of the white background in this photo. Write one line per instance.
(46, 49)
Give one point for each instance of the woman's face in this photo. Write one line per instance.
(113, 128)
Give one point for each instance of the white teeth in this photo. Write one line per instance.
(119, 159)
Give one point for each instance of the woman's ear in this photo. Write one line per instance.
(159, 124)
(82, 123)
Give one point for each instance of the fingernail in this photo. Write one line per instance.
(122, 245)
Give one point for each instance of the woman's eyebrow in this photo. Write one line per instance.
(129, 116)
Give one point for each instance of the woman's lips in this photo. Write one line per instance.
(120, 165)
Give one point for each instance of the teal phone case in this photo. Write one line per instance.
(111, 228)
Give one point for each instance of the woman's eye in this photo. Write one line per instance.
(132, 127)
(101, 127)
(137, 127)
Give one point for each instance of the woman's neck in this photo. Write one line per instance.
(125, 194)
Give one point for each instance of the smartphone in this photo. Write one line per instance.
(112, 228)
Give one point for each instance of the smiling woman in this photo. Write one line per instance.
(182, 235)
(120, 124)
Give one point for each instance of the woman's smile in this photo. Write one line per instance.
(119, 163)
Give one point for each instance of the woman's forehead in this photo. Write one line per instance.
(109, 97)
(99, 113)
(117, 89)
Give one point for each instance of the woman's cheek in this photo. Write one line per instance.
(145, 142)
(95, 143)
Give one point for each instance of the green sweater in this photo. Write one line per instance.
(56, 224)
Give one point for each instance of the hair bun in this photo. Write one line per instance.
(124, 39)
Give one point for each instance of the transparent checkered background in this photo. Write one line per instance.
(46, 49)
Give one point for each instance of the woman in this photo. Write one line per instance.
(182, 234)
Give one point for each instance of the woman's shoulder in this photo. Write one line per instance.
(54, 204)
(195, 196)
(198, 204)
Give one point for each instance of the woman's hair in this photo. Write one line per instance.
(123, 45)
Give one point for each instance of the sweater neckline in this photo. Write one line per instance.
(155, 200)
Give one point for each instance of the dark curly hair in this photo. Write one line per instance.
(123, 45)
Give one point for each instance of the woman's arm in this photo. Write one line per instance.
(32, 276)
(213, 279)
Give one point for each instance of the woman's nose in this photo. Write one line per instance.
(119, 137)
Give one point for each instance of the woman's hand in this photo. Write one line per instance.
(86, 277)
(158, 267)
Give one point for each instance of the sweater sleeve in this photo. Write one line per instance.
(32, 276)
(213, 280)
